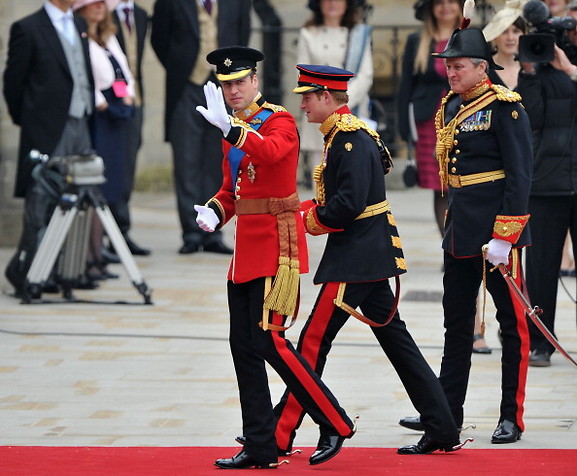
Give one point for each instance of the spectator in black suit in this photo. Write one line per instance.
(132, 23)
(183, 33)
(48, 87)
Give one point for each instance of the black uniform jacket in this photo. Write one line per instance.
(498, 137)
(362, 250)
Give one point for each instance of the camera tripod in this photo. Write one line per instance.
(66, 240)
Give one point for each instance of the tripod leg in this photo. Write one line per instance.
(124, 253)
(49, 248)
(72, 262)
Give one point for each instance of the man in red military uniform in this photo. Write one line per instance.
(484, 154)
(261, 148)
(363, 250)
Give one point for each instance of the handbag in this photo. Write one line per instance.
(410, 174)
(116, 110)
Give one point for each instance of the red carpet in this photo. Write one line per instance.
(148, 461)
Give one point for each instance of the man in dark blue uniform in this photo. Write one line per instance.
(363, 251)
(484, 154)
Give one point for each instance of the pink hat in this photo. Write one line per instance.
(110, 4)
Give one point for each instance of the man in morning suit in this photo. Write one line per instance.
(132, 23)
(49, 90)
(261, 146)
(183, 33)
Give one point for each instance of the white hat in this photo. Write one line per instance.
(110, 4)
(504, 18)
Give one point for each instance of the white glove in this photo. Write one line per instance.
(206, 218)
(498, 252)
(215, 110)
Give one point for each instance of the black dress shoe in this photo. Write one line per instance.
(189, 248)
(86, 283)
(327, 448)
(243, 461)
(241, 440)
(134, 248)
(217, 247)
(412, 423)
(108, 257)
(540, 358)
(428, 445)
(506, 432)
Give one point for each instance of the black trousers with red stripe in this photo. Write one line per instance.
(461, 282)
(375, 300)
(251, 347)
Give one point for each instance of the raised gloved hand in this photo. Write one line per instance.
(498, 252)
(206, 218)
(215, 110)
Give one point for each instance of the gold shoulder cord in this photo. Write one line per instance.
(345, 123)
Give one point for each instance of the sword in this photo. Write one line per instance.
(533, 312)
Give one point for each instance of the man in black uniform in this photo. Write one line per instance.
(484, 154)
(363, 251)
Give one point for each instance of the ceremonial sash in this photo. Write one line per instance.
(235, 155)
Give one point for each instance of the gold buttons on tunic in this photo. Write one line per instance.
(453, 169)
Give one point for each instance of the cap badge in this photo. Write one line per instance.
(227, 62)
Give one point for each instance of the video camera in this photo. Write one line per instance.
(539, 45)
(82, 169)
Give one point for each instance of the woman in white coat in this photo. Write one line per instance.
(333, 36)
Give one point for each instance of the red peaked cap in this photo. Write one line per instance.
(314, 77)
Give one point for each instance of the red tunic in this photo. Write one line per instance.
(268, 169)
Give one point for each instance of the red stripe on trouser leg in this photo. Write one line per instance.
(308, 382)
(311, 344)
(523, 331)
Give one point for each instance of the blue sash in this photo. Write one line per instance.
(235, 155)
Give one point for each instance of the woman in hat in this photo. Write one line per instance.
(114, 93)
(334, 36)
(503, 31)
(423, 84)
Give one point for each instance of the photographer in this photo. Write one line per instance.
(549, 91)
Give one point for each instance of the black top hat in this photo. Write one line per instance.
(468, 43)
(234, 62)
(314, 77)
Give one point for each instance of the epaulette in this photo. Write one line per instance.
(274, 107)
(349, 123)
(505, 94)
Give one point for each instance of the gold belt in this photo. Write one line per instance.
(458, 181)
(261, 206)
(375, 209)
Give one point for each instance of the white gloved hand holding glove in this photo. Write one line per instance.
(498, 252)
(206, 218)
(215, 110)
